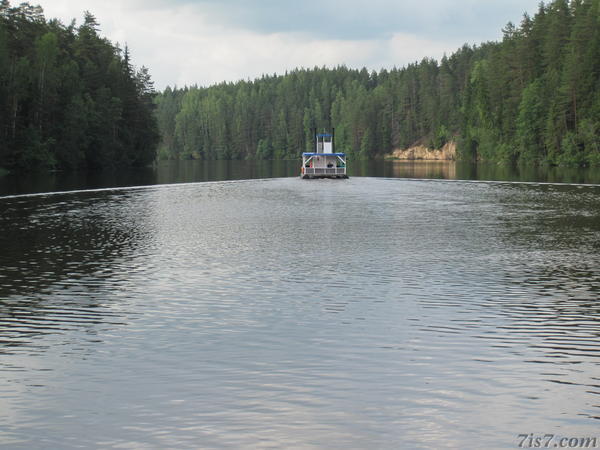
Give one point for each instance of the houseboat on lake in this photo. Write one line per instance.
(324, 162)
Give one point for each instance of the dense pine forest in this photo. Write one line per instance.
(69, 98)
(533, 97)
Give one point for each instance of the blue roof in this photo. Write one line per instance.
(323, 154)
(323, 135)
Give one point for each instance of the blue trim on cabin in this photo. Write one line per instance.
(323, 154)
(324, 135)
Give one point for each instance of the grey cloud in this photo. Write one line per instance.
(375, 19)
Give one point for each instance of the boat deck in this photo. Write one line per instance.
(323, 165)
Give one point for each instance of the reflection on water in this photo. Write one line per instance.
(164, 172)
(169, 172)
(450, 170)
(384, 313)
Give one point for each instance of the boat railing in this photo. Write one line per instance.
(325, 171)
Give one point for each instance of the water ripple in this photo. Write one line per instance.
(282, 313)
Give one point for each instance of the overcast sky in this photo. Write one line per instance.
(203, 42)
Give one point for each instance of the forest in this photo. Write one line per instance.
(532, 97)
(69, 98)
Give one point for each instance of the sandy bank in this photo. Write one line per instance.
(446, 153)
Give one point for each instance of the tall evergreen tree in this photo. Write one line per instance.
(68, 97)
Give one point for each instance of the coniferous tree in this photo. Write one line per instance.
(68, 97)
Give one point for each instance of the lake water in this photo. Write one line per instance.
(280, 313)
(169, 172)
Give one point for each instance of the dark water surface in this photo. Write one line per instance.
(169, 172)
(281, 313)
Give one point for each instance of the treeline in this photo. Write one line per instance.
(69, 98)
(272, 117)
(533, 97)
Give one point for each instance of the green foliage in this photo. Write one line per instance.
(530, 123)
(589, 136)
(572, 150)
(366, 144)
(264, 150)
(442, 137)
(531, 97)
(68, 97)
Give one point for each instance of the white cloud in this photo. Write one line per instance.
(187, 43)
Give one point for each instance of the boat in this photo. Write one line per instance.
(324, 162)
